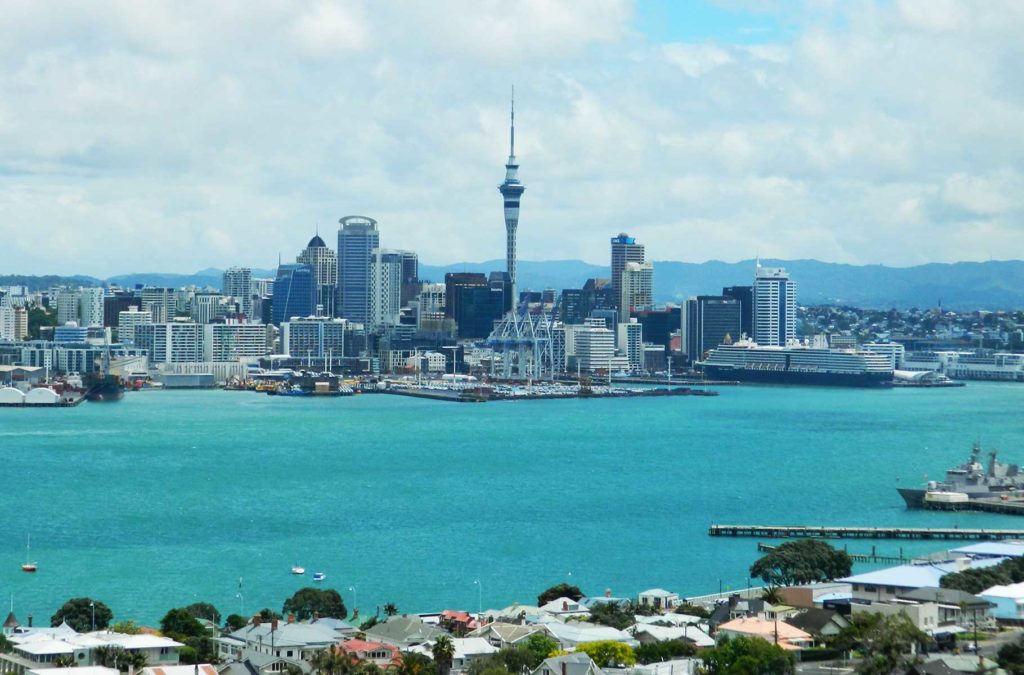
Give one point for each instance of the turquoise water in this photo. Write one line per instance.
(170, 497)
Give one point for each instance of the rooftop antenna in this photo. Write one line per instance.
(512, 127)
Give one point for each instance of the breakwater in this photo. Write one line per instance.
(841, 532)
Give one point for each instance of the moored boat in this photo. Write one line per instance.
(968, 481)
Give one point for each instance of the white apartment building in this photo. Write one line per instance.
(385, 287)
(774, 307)
(90, 307)
(313, 337)
(161, 303)
(594, 345)
(637, 287)
(171, 342)
(128, 320)
(234, 341)
(237, 284)
(631, 343)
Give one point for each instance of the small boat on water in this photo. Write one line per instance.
(319, 576)
(28, 565)
(299, 571)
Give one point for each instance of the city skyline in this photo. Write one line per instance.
(710, 131)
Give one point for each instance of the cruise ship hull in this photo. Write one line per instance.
(820, 378)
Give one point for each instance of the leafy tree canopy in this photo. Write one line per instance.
(540, 646)
(976, 580)
(607, 653)
(692, 610)
(559, 591)
(1011, 657)
(308, 601)
(78, 613)
(128, 627)
(802, 562)
(747, 656)
(204, 611)
(178, 623)
(267, 614)
(414, 663)
(235, 621)
(664, 651)
(885, 642)
(614, 614)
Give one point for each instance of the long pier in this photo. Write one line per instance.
(835, 532)
(872, 557)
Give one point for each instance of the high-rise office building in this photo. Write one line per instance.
(709, 321)
(410, 277)
(160, 302)
(594, 346)
(479, 308)
(624, 250)
(636, 288)
(511, 192)
(385, 287)
(774, 307)
(66, 300)
(501, 282)
(745, 294)
(294, 292)
(117, 302)
(238, 285)
(430, 310)
(357, 238)
(128, 320)
(325, 270)
(453, 282)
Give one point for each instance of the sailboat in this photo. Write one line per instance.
(29, 566)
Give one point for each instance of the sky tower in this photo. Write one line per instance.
(511, 190)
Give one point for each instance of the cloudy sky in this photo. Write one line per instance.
(152, 135)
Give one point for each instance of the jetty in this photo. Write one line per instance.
(840, 532)
(872, 557)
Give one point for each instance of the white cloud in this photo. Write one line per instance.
(177, 136)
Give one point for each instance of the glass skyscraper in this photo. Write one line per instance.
(294, 292)
(357, 239)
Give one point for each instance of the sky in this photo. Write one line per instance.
(172, 136)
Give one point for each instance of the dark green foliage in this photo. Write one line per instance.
(266, 614)
(204, 648)
(390, 609)
(78, 614)
(179, 624)
(38, 317)
(204, 611)
(235, 622)
(976, 580)
(540, 646)
(612, 614)
(1011, 657)
(692, 610)
(802, 562)
(306, 602)
(443, 652)
(747, 656)
(416, 664)
(5, 645)
(559, 591)
(884, 641)
(369, 623)
(187, 655)
(664, 651)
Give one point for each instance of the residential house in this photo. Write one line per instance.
(673, 667)
(820, 624)
(502, 635)
(888, 584)
(569, 664)
(272, 646)
(467, 650)
(84, 670)
(659, 599)
(404, 631)
(925, 616)
(778, 632)
(956, 664)
(1008, 600)
(201, 669)
(735, 608)
(648, 633)
(564, 608)
(815, 595)
(457, 622)
(379, 653)
(38, 648)
(955, 607)
(571, 634)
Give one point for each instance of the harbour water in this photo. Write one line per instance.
(169, 497)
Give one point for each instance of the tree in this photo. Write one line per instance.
(414, 663)
(692, 610)
(664, 651)
(333, 662)
(111, 656)
(204, 611)
(562, 590)
(541, 646)
(137, 661)
(886, 642)
(390, 609)
(78, 613)
(747, 656)
(179, 623)
(128, 627)
(5, 645)
(64, 661)
(235, 622)
(267, 614)
(802, 562)
(443, 652)
(309, 601)
(1011, 657)
(608, 653)
(614, 614)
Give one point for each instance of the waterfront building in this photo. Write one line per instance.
(357, 239)
(128, 320)
(593, 345)
(625, 250)
(71, 333)
(314, 337)
(631, 343)
(454, 282)
(324, 262)
(160, 302)
(233, 341)
(294, 292)
(170, 342)
(637, 288)
(237, 284)
(774, 300)
(511, 192)
(385, 288)
(430, 307)
(37, 648)
(745, 296)
(709, 321)
(271, 646)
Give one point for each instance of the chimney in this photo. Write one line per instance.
(564, 668)
(565, 606)
(273, 625)
(256, 620)
(291, 618)
(29, 620)
(607, 592)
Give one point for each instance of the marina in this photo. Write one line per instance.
(840, 532)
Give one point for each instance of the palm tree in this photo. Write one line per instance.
(443, 651)
(64, 661)
(137, 661)
(390, 609)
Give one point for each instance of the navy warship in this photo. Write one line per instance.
(970, 480)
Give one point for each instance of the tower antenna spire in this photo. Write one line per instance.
(512, 127)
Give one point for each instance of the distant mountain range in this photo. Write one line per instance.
(965, 285)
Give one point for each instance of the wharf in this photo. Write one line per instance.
(676, 381)
(872, 557)
(482, 394)
(834, 532)
(1013, 505)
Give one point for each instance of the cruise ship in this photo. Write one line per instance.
(797, 364)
